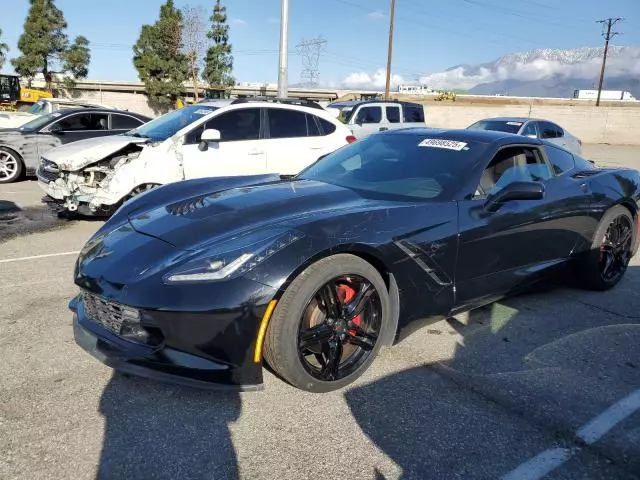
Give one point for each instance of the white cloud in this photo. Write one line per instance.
(375, 81)
(238, 22)
(532, 70)
(376, 15)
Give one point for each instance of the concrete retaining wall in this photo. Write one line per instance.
(614, 125)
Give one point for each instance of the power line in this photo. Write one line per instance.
(607, 25)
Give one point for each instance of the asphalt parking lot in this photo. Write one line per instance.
(548, 382)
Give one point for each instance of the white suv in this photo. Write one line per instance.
(210, 139)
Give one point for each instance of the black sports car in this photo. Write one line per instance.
(22, 147)
(198, 282)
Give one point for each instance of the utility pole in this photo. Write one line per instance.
(608, 35)
(390, 53)
(284, 46)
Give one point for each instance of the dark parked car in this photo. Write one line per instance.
(21, 148)
(194, 281)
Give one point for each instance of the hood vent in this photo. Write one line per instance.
(186, 207)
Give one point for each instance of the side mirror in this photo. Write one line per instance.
(210, 135)
(515, 191)
(55, 128)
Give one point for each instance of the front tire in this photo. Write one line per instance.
(606, 262)
(329, 324)
(11, 166)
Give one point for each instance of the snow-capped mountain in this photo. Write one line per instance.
(544, 72)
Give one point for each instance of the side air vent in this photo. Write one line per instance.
(586, 173)
(186, 207)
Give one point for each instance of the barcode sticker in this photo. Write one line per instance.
(439, 143)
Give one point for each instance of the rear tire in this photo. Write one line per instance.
(283, 348)
(608, 258)
(11, 165)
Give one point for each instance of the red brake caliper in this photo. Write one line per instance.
(346, 294)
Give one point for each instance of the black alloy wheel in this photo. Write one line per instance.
(615, 251)
(329, 324)
(339, 327)
(606, 262)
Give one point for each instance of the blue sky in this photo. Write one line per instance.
(431, 35)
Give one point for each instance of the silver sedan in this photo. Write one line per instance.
(534, 128)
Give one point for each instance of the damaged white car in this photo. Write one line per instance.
(212, 139)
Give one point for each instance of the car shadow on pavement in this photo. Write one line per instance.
(525, 375)
(16, 221)
(160, 431)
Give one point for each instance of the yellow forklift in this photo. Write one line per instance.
(14, 97)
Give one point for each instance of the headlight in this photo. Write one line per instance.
(228, 260)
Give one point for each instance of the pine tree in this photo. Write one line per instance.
(45, 46)
(159, 59)
(4, 48)
(218, 63)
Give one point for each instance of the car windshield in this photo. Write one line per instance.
(39, 122)
(498, 125)
(399, 165)
(38, 108)
(169, 124)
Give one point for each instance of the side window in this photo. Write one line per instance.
(237, 125)
(514, 164)
(530, 129)
(84, 122)
(312, 126)
(413, 113)
(327, 127)
(369, 115)
(286, 123)
(559, 131)
(547, 130)
(124, 122)
(393, 114)
(561, 160)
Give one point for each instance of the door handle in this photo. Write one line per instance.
(256, 152)
(584, 187)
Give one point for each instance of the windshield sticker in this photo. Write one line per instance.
(202, 111)
(448, 144)
(517, 124)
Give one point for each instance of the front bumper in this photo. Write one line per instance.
(161, 363)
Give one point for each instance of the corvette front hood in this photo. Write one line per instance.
(210, 218)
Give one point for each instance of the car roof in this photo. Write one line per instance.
(465, 135)
(514, 119)
(390, 102)
(69, 111)
(216, 103)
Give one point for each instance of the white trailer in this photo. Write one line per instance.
(620, 95)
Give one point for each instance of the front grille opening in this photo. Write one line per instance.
(121, 320)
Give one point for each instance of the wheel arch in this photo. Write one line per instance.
(632, 206)
(371, 256)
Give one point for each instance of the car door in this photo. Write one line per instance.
(366, 120)
(553, 133)
(506, 248)
(78, 126)
(294, 140)
(392, 117)
(530, 129)
(240, 151)
(413, 115)
(122, 123)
